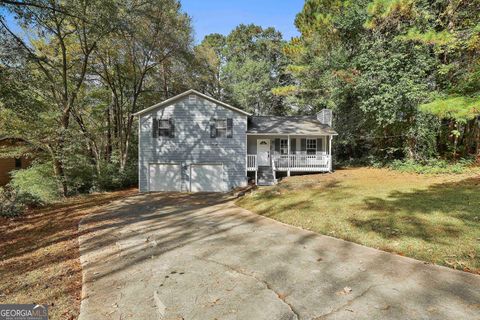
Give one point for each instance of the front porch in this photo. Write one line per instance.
(289, 153)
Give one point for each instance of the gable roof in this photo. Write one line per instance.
(297, 125)
(185, 94)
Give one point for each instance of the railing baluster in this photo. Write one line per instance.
(295, 162)
(252, 162)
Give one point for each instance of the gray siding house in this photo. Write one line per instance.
(195, 143)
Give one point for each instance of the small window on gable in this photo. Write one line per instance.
(221, 125)
(311, 146)
(165, 128)
(283, 146)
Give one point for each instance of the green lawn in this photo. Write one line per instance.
(434, 218)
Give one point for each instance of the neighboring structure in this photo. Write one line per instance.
(194, 143)
(7, 165)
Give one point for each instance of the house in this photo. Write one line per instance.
(194, 143)
(10, 163)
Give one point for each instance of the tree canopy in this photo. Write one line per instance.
(387, 66)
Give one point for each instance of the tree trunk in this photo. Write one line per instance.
(455, 141)
(126, 145)
(411, 144)
(165, 83)
(59, 174)
(58, 154)
(477, 144)
(109, 147)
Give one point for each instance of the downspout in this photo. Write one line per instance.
(288, 155)
(330, 153)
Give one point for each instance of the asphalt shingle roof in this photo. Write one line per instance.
(300, 125)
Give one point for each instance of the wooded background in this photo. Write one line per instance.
(402, 77)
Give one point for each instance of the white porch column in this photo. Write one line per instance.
(288, 155)
(330, 153)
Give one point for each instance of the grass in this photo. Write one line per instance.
(435, 218)
(39, 254)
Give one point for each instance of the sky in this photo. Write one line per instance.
(221, 16)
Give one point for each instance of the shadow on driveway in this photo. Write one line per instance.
(198, 256)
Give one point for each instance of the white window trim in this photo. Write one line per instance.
(285, 147)
(164, 124)
(223, 128)
(311, 149)
(167, 121)
(220, 120)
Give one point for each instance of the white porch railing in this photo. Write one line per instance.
(302, 162)
(293, 162)
(252, 162)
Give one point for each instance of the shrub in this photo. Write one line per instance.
(35, 185)
(111, 179)
(80, 174)
(10, 206)
(431, 166)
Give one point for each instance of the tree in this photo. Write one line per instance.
(76, 74)
(244, 67)
(450, 30)
(134, 62)
(375, 62)
(56, 51)
(207, 66)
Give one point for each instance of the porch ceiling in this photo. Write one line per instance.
(297, 125)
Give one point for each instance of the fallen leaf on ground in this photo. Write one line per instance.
(345, 291)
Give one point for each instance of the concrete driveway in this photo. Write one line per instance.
(184, 256)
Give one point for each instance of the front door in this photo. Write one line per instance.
(263, 152)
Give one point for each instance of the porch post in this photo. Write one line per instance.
(246, 158)
(330, 153)
(288, 155)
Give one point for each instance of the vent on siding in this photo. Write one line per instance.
(325, 116)
(192, 98)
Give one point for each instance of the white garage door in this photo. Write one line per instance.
(165, 177)
(207, 178)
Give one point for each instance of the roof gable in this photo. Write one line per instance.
(186, 94)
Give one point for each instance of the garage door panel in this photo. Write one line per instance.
(165, 177)
(207, 178)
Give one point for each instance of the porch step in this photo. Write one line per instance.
(265, 176)
(266, 183)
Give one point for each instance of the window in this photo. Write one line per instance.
(283, 146)
(221, 126)
(164, 128)
(18, 163)
(311, 146)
